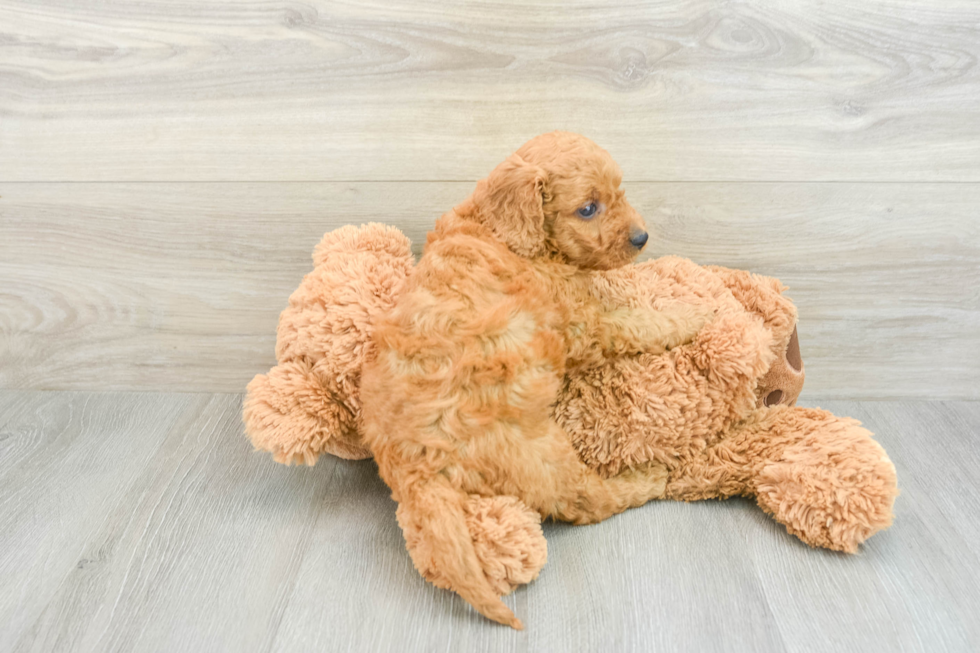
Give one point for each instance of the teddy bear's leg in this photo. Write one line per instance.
(822, 476)
(834, 488)
(291, 413)
(507, 539)
(309, 404)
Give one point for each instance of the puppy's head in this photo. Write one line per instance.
(559, 194)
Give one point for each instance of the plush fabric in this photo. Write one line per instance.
(310, 403)
(698, 410)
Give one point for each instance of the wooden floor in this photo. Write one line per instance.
(144, 522)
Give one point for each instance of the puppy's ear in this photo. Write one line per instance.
(510, 202)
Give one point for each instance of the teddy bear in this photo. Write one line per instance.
(718, 414)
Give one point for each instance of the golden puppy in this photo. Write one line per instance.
(458, 401)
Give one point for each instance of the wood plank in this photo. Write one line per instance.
(630, 583)
(913, 587)
(143, 522)
(68, 460)
(200, 555)
(886, 276)
(322, 90)
(179, 286)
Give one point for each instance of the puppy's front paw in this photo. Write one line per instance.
(688, 320)
(646, 330)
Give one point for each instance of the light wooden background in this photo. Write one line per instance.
(166, 168)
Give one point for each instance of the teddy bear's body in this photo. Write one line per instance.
(718, 413)
(702, 410)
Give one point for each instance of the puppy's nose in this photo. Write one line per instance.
(638, 240)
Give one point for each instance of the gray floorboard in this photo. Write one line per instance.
(144, 522)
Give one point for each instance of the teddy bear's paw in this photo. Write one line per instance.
(783, 382)
(288, 413)
(833, 494)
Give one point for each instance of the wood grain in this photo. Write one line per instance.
(179, 286)
(144, 522)
(68, 461)
(130, 90)
(200, 531)
(934, 536)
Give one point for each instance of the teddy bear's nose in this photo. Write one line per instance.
(638, 240)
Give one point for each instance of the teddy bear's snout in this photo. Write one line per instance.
(784, 380)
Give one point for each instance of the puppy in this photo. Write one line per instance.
(458, 401)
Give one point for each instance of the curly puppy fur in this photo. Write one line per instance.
(458, 401)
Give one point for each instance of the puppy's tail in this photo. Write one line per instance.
(433, 519)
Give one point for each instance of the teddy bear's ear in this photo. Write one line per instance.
(510, 202)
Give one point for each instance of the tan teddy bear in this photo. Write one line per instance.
(719, 413)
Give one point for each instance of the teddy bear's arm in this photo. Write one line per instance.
(764, 297)
(760, 295)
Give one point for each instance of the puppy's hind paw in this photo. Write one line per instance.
(643, 483)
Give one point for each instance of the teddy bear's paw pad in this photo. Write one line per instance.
(772, 398)
(793, 357)
(508, 540)
(831, 499)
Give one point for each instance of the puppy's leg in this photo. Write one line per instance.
(625, 331)
(557, 484)
(642, 330)
(432, 515)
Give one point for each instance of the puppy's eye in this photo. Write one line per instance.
(588, 211)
